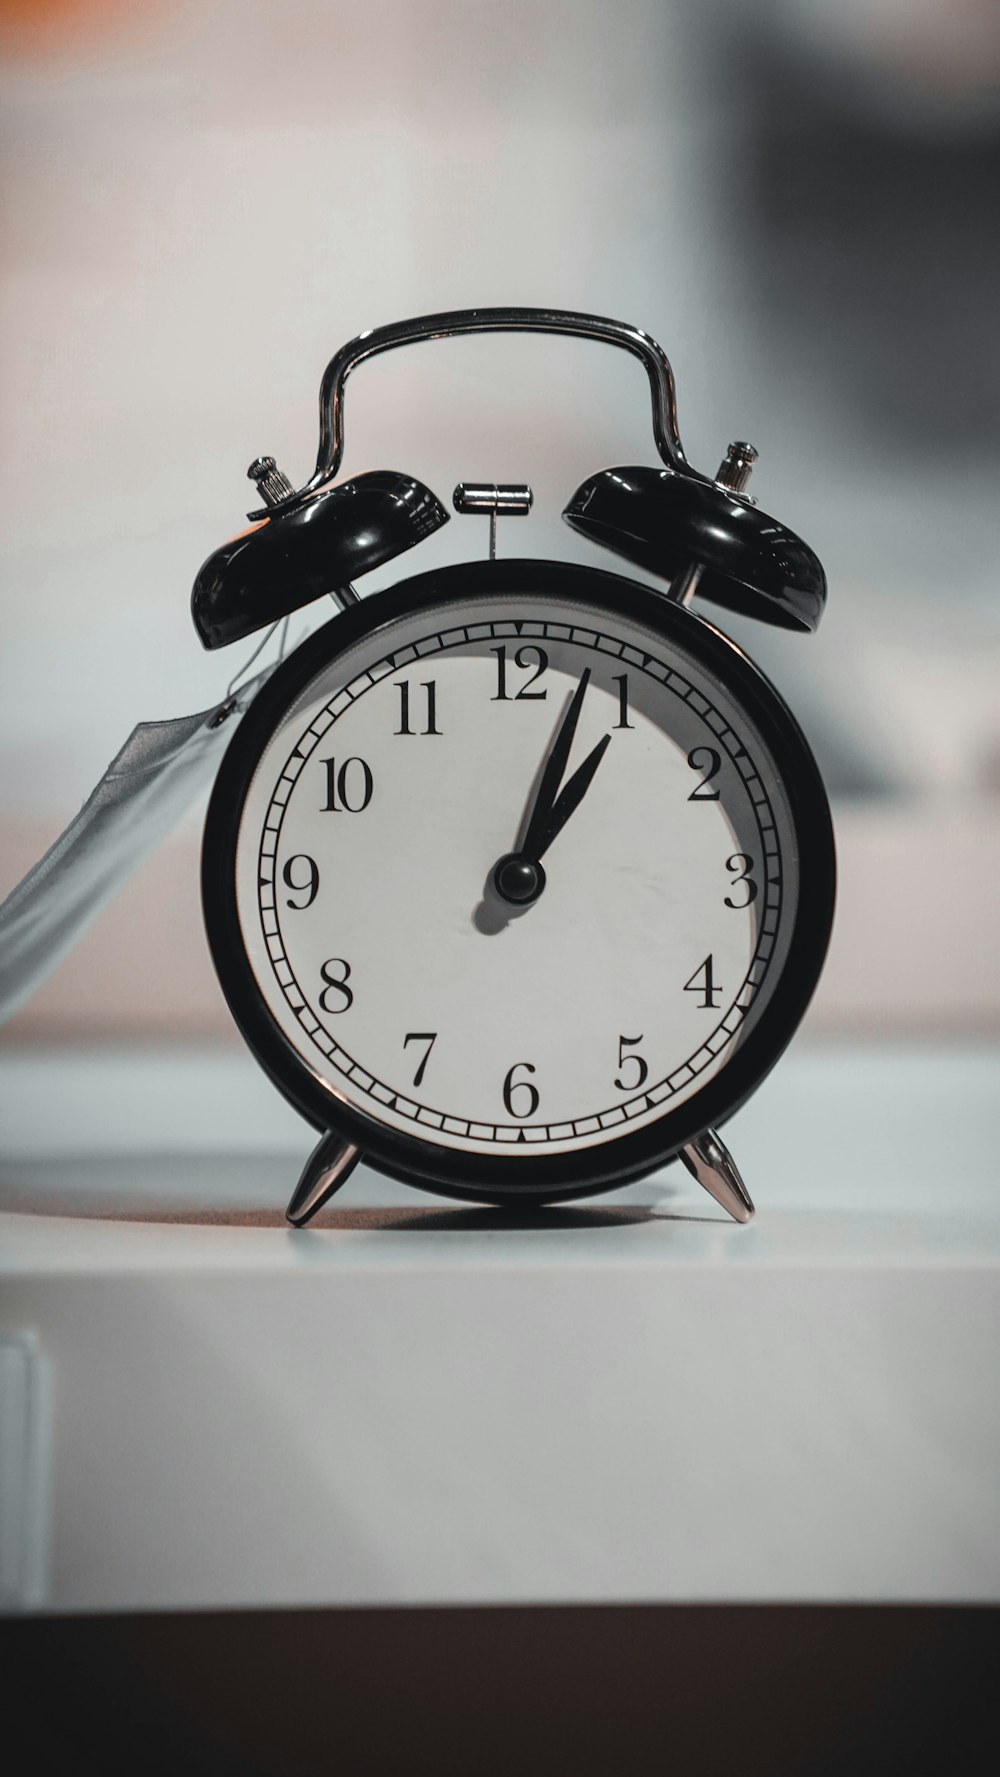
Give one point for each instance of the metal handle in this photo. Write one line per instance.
(494, 320)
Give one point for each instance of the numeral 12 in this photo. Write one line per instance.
(523, 659)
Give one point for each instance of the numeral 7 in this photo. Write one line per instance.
(421, 1036)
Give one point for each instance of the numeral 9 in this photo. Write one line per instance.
(309, 888)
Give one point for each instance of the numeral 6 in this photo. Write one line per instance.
(510, 1086)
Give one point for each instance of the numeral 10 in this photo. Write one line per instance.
(348, 786)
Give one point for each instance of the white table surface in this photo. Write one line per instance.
(629, 1399)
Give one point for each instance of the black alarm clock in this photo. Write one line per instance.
(518, 876)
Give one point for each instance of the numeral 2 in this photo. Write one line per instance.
(698, 759)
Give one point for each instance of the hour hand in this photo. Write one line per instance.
(518, 877)
(570, 797)
(551, 777)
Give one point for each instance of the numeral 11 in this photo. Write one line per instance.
(430, 686)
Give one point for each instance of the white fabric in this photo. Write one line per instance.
(149, 784)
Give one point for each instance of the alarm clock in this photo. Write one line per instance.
(518, 876)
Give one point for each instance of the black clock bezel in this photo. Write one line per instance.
(581, 1172)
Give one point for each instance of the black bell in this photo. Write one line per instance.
(301, 552)
(669, 521)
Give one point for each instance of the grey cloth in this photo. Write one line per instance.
(145, 790)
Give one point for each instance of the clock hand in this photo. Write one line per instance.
(555, 765)
(570, 799)
(518, 877)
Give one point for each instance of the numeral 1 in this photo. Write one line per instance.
(621, 680)
(428, 685)
(703, 981)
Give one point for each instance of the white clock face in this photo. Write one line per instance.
(417, 993)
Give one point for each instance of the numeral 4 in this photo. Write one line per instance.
(703, 981)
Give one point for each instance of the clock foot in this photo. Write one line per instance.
(330, 1163)
(710, 1162)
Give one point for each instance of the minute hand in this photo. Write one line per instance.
(555, 765)
(570, 799)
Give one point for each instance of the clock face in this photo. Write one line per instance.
(412, 987)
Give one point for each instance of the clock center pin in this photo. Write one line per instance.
(518, 880)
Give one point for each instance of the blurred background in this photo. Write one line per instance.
(203, 199)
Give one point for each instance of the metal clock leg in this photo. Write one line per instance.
(709, 1161)
(330, 1163)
